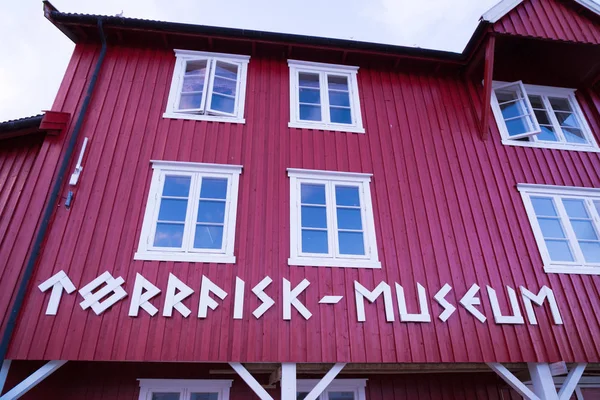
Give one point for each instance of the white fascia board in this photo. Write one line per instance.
(590, 5)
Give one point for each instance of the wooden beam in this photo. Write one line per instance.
(288, 381)
(250, 380)
(33, 379)
(571, 381)
(512, 381)
(323, 383)
(488, 74)
(4, 374)
(541, 378)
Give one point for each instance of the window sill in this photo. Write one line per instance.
(557, 146)
(195, 117)
(332, 262)
(326, 127)
(184, 257)
(572, 269)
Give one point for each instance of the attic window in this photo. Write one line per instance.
(540, 116)
(208, 86)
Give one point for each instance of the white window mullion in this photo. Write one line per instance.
(566, 222)
(211, 66)
(226, 227)
(192, 213)
(332, 229)
(324, 85)
(557, 129)
(363, 215)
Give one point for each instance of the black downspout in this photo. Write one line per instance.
(50, 207)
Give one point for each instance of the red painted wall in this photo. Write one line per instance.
(550, 19)
(118, 381)
(445, 203)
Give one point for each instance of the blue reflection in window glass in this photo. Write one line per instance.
(349, 218)
(168, 235)
(172, 210)
(190, 101)
(584, 230)
(165, 396)
(574, 135)
(547, 134)
(312, 194)
(222, 103)
(551, 227)
(337, 82)
(340, 115)
(351, 243)
(213, 188)
(226, 70)
(205, 396)
(308, 80)
(559, 250)
(517, 126)
(591, 251)
(312, 96)
(543, 206)
(314, 241)
(347, 196)
(211, 211)
(314, 217)
(575, 208)
(208, 237)
(224, 86)
(339, 98)
(310, 113)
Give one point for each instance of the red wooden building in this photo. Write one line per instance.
(232, 214)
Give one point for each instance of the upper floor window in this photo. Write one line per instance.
(208, 86)
(324, 96)
(331, 220)
(338, 389)
(566, 225)
(540, 116)
(191, 212)
(184, 389)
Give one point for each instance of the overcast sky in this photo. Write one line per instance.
(35, 54)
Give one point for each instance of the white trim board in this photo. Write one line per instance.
(498, 11)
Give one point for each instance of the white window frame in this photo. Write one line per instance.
(146, 250)
(357, 386)
(185, 387)
(544, 92)
(333, 259)
(579, 266)
(350, 72)
(182, 57)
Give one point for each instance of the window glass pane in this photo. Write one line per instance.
(347, 196)
(314, 241)
(351, 243)
(597, 204)
(517, 126)
(168, 235)
(559, 250)
(575, 208)
(542, 117)
(551, 227)
(312, 194)
(591, 251)
(193, 85)
(222, 103)
(337, 82)
(205, 396)
(312, 96)
(349, 218)
(537, 103)
(177, 186)
(301, 395)
(211, 211)
(208, 237)
(547, 134)
(543, 206)
(584, 230)
(308, 80)
(213, 188)
(314, 217)
(172, 210)
(340, 396)
(224, 86)
(574, 135)
(567, 119)
(560, 104)
(339, 98)
(340, 115)
(190, 101)
(226, 70)
(165, 396)
(511, 104)
(310, 113)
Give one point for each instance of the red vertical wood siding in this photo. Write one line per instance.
(550, 19)
(118, 381)
(445, 204)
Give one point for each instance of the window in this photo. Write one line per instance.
(324, 96)
(539, 116)
(208, 86)
(339, 389)
(191, 211)
(566, 225)
(331, 220)
(184, 389)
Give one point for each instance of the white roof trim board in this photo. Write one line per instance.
(495, 13)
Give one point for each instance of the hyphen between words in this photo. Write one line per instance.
(105, 291)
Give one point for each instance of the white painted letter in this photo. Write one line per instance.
(516, 317)
(238, 304)
(440, 297)
(58, 282)
(545, 293)
(361, 293)
(469, 301)
(205, 300)
(93, 299)
(259, 291)
(139, 299)
(423, 316)
(174, 300)
(290, 298)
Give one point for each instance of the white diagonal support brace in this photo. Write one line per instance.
(250, 381)
(33, 379)
(4, 373)
(323, 383)
(571, 381)
(513, 381)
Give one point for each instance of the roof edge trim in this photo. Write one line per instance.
(498, 11)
